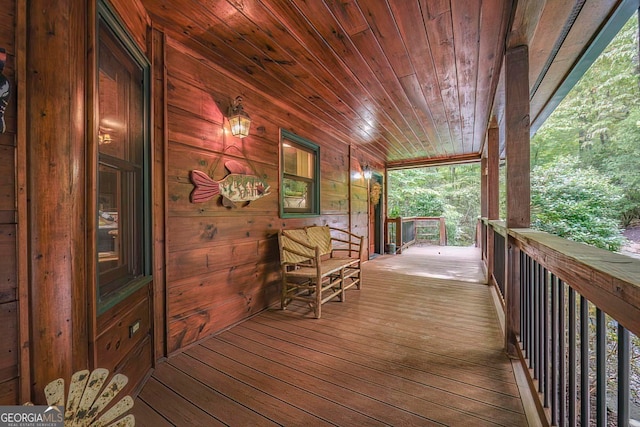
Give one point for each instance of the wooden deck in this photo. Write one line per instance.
(419, 345)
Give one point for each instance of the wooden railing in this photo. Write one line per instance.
(404, 232)
(572, 316)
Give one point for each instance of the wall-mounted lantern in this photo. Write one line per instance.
(238, 119)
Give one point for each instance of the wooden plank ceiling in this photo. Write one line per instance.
(407, 81)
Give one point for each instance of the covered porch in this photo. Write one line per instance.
(420, 344)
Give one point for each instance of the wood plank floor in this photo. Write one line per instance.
(418, 345)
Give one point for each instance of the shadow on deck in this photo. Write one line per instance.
(419, 344)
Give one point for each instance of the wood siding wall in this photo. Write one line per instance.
(214, 266)
(9, 354)
(222, 264)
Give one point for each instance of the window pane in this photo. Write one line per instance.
(299, 194)
(121, 107)
(296, 194)
(298, 162)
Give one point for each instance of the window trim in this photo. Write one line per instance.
(307, 145)
(110, 19)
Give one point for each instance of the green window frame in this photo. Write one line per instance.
(299, 176)
(123, 220)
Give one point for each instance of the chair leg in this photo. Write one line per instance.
(318, 303)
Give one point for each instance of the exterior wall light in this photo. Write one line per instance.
(367, 172)
(239, 120)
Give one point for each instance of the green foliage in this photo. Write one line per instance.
(449, 191)
(578, 203)
(599, 121)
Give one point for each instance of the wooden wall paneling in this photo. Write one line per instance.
(186, 129)
(134, 16)
(247, 72)
(245, 291)
(180, 186)
(264, 111)
(159, 143)
(193, 262)
(273, 66)
(8, 265)
(9, 354)
(222, 264)
(22, 250)
(197, 293)
(10, 393)
(192, 233)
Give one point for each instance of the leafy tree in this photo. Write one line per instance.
(599, 121)
(449, 191)
(577, 203)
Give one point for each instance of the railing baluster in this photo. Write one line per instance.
(562, 398)
(544, 365)
(584, 362)
(623, 376)
(523, 302)
(535, 339)
(555, 335)
(529, 312)
(540, 327)
(547, 331)
(573, 384)
(601, 369)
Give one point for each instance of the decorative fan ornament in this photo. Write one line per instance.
(87, 399)
(376, 189)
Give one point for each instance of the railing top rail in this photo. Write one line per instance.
(611, 281)
(498, 226)
(417, 218)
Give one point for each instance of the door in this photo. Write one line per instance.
(375, 215)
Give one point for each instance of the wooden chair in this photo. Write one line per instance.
(317, 267)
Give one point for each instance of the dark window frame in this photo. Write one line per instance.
(303, 144)
(116, 284)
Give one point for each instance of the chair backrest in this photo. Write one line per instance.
(320, 236)
(292, 246)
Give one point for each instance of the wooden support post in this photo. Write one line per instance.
(484, 187)
(56, 141)
(493, 189)
(443, 232)
(399, 235)
(517, 124)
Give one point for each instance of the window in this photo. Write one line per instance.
(300, 183)
(123, 219)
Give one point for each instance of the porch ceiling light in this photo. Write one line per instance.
(238, 119)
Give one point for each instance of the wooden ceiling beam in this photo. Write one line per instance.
(434, 161)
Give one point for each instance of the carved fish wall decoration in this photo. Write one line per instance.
(237, 186)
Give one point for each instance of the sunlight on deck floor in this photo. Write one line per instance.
(418, 345)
